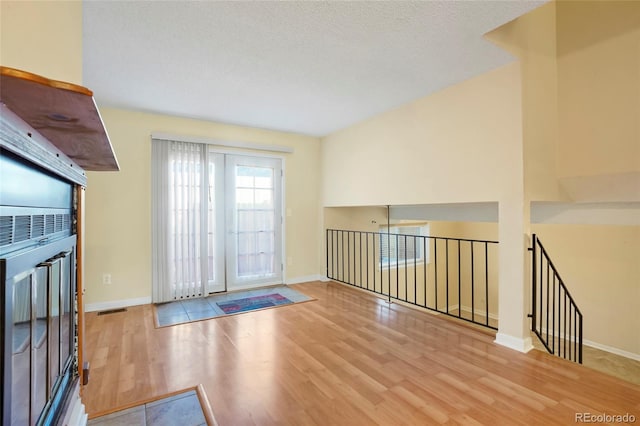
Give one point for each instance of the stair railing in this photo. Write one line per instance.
(555, 316)
(451, 276)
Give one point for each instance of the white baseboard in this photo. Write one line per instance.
(304, 279)
(515, 343)
(324, 278)
(611, 349)
(116, 304)
(478, 312)
(602, 347)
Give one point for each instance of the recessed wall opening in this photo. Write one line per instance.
(405, 255)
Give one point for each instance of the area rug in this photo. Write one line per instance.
(252, 303)
(203, 308)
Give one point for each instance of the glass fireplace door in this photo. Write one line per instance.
(38, 331)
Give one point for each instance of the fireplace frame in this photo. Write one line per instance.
(39, 326)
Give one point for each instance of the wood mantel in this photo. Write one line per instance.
(64, 113)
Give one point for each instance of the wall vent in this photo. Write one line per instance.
(112, 311)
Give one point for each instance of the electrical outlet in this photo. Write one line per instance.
(289, 261)
(106, 279)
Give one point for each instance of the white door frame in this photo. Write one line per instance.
(227, 213)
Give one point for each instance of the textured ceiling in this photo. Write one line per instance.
(305, 67)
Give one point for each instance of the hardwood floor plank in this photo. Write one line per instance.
(346, 358)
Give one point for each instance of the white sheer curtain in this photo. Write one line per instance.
(179, 220)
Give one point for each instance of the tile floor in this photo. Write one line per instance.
(183, 409)
(184, 311)
(615, 365)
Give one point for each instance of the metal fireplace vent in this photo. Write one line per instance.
(20, 229)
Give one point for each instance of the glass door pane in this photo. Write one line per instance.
(65, 309)
(254, 221)
(21, 354)
(40, 343)
(54, 324)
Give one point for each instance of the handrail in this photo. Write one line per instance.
(558, 322)
(461, 284)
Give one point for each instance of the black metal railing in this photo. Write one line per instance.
(555, 317)
(452, 276)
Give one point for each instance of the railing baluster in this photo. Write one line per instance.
(367, 256)
(360, 257)
(397, 267)
(559, 318)
(354, 258)
(446, 262)
(564, 318)
(473, 293)
(486, 282)
(349, 258)
(553, 315)
(378, 260)
(571, 335)
(554, 281)
(459, 284)
(435, 271)
(547, 298)
(406, 278)
(424, 269)
(342, 253)
(580, 346)
(415, 270)
(335, 273)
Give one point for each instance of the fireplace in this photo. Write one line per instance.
(50, 133)
(38, 272)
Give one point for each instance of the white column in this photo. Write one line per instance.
(513, 293)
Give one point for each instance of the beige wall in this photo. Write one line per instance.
(437, 149)
(599, 265)
(118, 211)
(598, 87)
(42, 37)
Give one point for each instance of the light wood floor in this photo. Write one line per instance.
(345, 359)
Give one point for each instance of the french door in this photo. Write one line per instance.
(244, 221)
